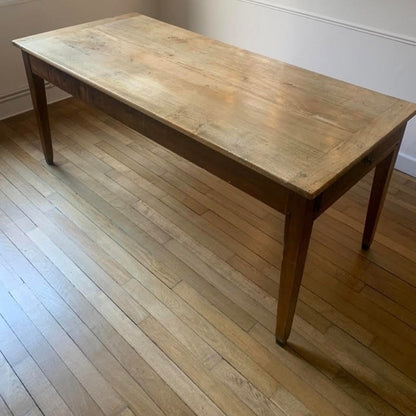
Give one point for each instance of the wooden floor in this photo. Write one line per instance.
(134, 283)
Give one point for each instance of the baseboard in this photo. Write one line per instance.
(19, 101)
(406, 164)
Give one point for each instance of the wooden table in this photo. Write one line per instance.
(294, 139)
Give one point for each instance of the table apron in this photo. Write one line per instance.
(248, 180)
(233, 172)
(390, 143)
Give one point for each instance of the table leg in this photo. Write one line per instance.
(38, 93)
(298, 229)
(379, 188)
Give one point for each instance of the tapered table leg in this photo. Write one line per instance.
(381, 182)
(38, 93)
(298, 229)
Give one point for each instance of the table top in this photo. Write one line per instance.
(297, 127)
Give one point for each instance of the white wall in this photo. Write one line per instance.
(371, 43)
(25, 18)
(391, 16)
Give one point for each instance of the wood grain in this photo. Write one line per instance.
(276, 124)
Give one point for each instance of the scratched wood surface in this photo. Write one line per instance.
(299, 128)
(134, 283)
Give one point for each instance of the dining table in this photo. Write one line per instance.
(294, 139)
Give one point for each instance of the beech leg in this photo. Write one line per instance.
(40, 106)
(298, 229)
(379, 188)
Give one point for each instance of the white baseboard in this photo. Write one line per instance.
(406, 164)
(20, 101)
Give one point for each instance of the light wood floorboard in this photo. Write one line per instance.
(134, 283)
